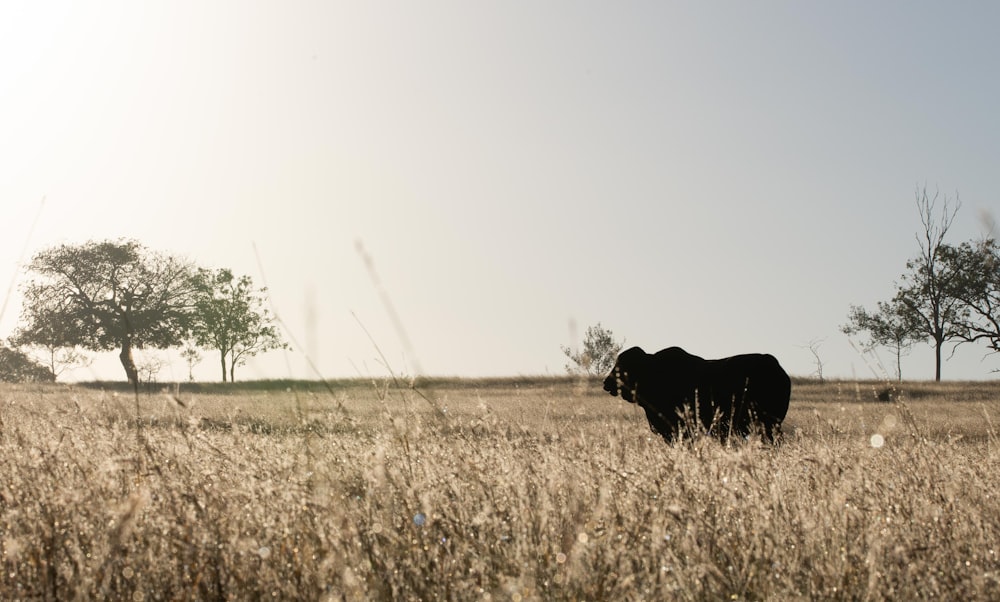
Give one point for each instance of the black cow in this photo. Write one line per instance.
(734, 395)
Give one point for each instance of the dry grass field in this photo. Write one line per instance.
(520, 489)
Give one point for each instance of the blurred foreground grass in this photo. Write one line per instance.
(495, 489)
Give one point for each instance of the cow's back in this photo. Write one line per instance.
(752, 387)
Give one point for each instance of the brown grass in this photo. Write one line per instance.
(501, 489)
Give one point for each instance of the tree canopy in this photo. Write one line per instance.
(120, 295)
(600, 350)
(976, 287)
(948, 293)
(230, 316)
(107, 295)
(17, 367)
(890, 326)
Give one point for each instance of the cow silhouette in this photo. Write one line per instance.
(737, 395)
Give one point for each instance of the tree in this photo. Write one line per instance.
(813, 346)
(149, 366)
(231, 317)
(192, 357)
(16, 367)
(46, 348)
(600, 350)
(890, 326)
(48, 352)
(925, 307)
(977, 288)
(107, 295)
(925, 294)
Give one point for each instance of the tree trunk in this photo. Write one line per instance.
(222, 355)
(129, 363)
(232, 370)
(937, 361)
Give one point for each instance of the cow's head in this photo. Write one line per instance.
(624, 377)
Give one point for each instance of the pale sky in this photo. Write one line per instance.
(727, 176)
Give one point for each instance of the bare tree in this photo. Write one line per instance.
(149, 366)
(813, 346)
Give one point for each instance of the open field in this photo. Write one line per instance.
(509, 489)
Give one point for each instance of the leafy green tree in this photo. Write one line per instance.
(976, 286)
(230, 316)
(891, 326)
(599, 353)
(107, 295)
(46, 346)
(17, 367)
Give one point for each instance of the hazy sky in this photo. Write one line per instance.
(724, 176)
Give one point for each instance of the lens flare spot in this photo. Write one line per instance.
(877, 441)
